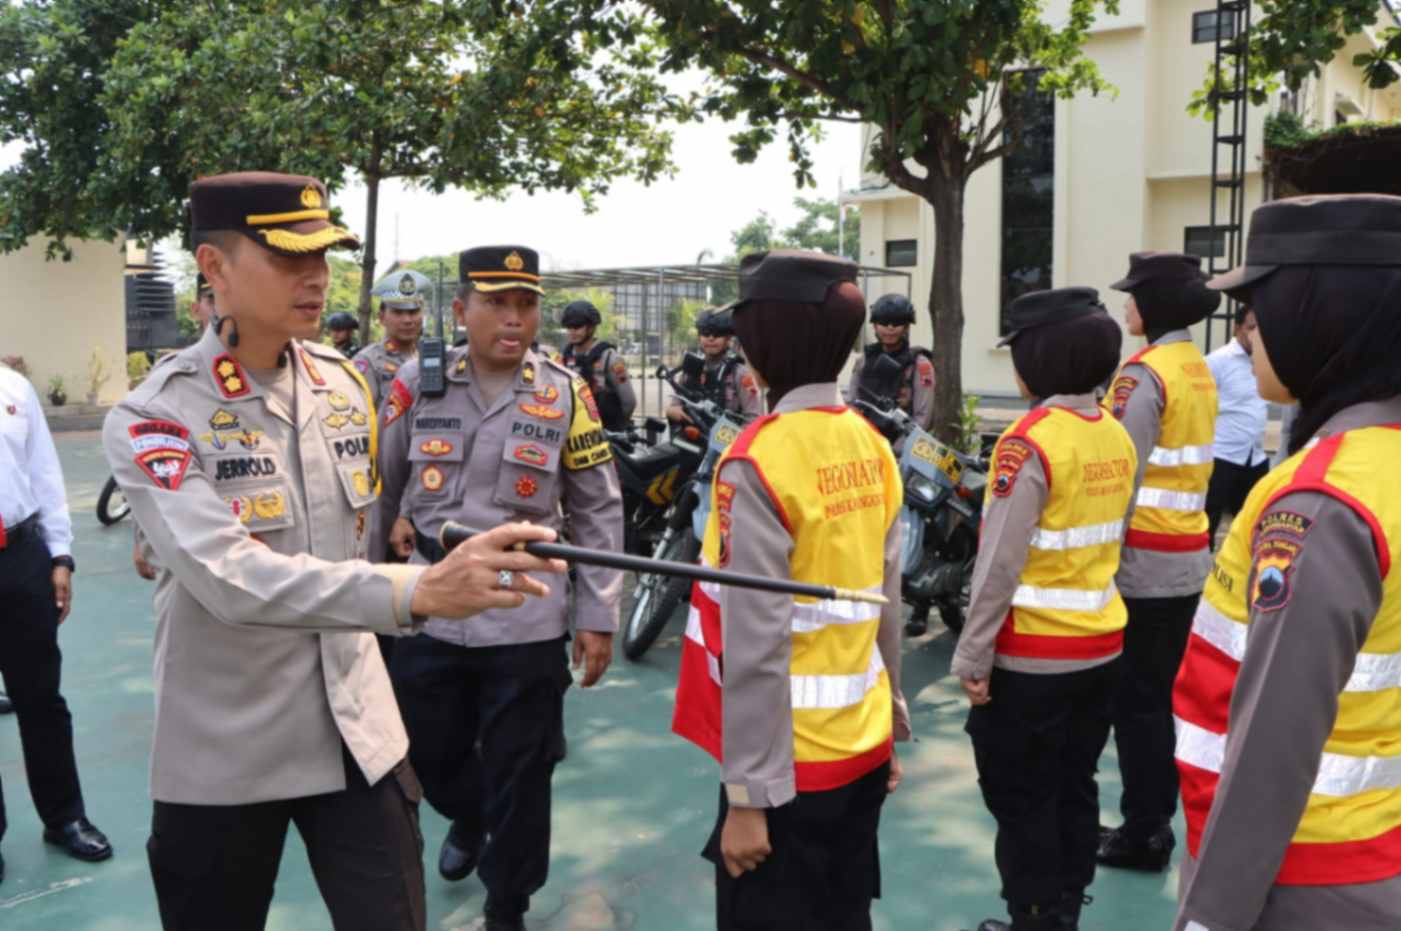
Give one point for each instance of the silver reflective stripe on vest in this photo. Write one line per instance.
(1375, 672)
(1182, 455)
(1062, 599)
(812, 616)
(1170, 500)
(1077, 537)
(836, 691)
(696, 635)
(1339, 775)
(1219, 631)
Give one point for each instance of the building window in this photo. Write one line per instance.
(1028, 192)
(900, 253)
(1209, 25)
(1199, 240)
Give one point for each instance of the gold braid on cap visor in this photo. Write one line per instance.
(322, 239)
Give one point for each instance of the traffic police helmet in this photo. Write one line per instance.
(580, 313)
(893, 310)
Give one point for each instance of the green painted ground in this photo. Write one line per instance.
(633, 804)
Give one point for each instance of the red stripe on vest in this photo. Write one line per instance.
(1044, 646)
(1198, 789)
(1167, 542)
(1137, 359)
(698, 714)
(1205, 683)
(821, 777)
(1020, 430)
(1358, 861)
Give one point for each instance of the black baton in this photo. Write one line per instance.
(454, 533)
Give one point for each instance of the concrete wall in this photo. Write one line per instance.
(55, 314)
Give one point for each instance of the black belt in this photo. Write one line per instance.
(430, 549)
(21, 531)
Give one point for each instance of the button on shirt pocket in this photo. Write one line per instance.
(436, 458)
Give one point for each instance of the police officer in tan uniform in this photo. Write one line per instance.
(401, 315)
(602, 369)
(248, 462)
(513, 437)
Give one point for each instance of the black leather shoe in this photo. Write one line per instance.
(1150, 855)
(458, 856)
(498, 923)
(1071, 904)
(81, 840)
(508, 915)
(6, 706)
(918, 624)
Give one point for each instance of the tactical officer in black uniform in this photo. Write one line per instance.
(891, 318)
(599, 364)
(342, 327)
(726, 380)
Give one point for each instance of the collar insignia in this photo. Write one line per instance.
(229, 375)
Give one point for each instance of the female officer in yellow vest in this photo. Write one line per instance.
(802, 707)
(1045, 625)
(1288, 704)
(1166, 398)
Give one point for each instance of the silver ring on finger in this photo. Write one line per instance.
(505, 579)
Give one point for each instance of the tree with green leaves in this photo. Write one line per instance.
(927, 75)
(434, 93)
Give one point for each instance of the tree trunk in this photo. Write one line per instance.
(946, 196)
(367, 257)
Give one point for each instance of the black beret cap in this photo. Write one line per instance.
(286, 214)
(1044, 308)
(500, 268)
(791, 276)
(1160, 268)
(1332, 229)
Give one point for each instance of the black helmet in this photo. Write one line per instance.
(340, 320)
(580, 313)
(893, 310)
(715, 322)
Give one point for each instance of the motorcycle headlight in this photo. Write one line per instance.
(921, 488)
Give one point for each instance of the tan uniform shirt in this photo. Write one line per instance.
(380, 362)
(1008, 526)
(1297, 660)
(1150, 573)
(523, 456)
(256, 516)
(758, 635)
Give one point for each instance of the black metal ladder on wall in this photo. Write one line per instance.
(1228, 154)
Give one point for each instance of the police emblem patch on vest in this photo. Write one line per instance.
(1012, 453)
(1119, 395)
(1278, 541)
(162, 451)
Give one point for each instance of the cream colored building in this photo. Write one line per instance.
(1130, 172)
(58, 314)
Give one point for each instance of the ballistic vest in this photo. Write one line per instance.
(1350, 831)
(1170, 508)
(1066, 606)
(836, 486)
(610, 407)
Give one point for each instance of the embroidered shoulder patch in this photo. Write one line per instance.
(162, 450)
(620, 372)
(363, 365)
(585, 394)
(1279, 538)
(925, 368)
(724, 500)
(398, 403)
(1119, 394)
(1012, 453)
(587, 445)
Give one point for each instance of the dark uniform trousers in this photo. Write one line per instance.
(1154, 641)
(30, 663)
(1036, 745)
(1226, 494)
(824, 869)
(214, 866)
(485, 724)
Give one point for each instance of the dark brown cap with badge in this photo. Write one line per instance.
(1169, 290)
(1041, 308)
(1334, 229)
(1153, 268)
(286, 214)
(500, 268)
(791, 276)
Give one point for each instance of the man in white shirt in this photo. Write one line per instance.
(36, 566)
(1240, 424)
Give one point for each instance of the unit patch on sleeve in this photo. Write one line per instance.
(1119, 394)
(925, 368)
(587, 445)
(161, 449)
(584, 393)
(620, 372)
(1012, 453)
(1279, 538)
(724, 500)
(398, 403)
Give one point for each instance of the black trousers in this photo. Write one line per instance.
(484, 728)
(825, 866)
(1230, 484)
(1154, 641)
(30, 663)
(1036, 745)
(215, 866)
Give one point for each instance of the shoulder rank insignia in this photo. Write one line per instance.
(527, 371)
(229, 375)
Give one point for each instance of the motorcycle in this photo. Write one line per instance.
(112, 504)
(941, 517)
(651, 474)
(657, 596)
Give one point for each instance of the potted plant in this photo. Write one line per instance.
(58, 395)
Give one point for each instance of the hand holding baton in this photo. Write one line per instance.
(454, 533)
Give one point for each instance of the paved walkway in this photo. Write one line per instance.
(633, 804)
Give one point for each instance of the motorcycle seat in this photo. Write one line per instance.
(649, 461)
